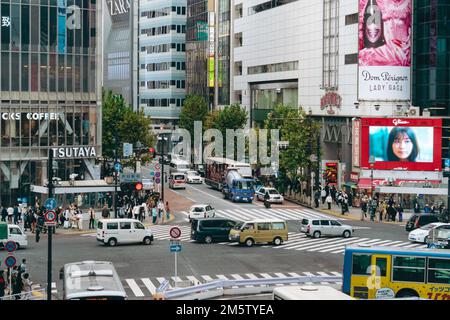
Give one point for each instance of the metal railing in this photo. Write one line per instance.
(39, 294)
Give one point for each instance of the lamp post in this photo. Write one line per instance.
(161, 154)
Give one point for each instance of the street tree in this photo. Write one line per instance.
(195, 108)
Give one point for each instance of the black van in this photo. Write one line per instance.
(211, 229)
(419, 220)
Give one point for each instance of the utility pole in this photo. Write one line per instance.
(161, 154)
(49, 228)
(115, 173)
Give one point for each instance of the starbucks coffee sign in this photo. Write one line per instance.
(74, 152)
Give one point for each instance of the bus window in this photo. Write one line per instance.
(439, 271)
(381, 264)
(409, 269)
(361, 264)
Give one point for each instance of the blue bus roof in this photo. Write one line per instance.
(395, 250)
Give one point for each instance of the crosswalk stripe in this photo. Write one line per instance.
(306, 241)
(390, 243)
(299, 214)
(338, 243)
(263, 214)
(312, 242)
(251, 214)
(282, 214)
(414, 245)
(221, 277)
(225, 214)
(207, 278)
(194, 280)
(323, 274)
(334, 273)
(237, 277)
(150, 286)
(315, 245)
(251, 276)
(334, 247)
(309, 274)
(134, 287)
(401, 244)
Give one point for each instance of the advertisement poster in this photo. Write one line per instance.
(402, 143)
(384, 50)
(331, 173)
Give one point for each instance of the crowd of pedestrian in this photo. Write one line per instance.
(16, 282)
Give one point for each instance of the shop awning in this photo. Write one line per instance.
(365, 183)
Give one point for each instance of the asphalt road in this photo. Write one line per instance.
(302, 256)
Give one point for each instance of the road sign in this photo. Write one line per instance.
(157, 174)
(10, 261)
(10, 246)
(50, 217)
(175, 232)
(175, 248)
(130, 177)
(50, 204)
(157, 180)
(157, 166)
(127, 149)
(117, 166)
(152, 173)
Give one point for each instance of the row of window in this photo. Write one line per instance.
(164, 12)
(164, 66)
(162, 102)
(161, 48)
(274, 67)
(267, 6)
(164, 84)
(406, 268)
(164, 30)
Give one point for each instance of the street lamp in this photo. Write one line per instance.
(161, 154)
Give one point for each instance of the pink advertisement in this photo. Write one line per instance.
(384, 50)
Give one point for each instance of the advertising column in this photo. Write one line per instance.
(384, 50)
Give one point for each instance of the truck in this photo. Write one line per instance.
(238, 188)
(12, 232)
(217, 168)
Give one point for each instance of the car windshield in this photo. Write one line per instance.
(238, 226)
(179, 177)
(245, 185)
(273, 192)
(305, 221)
(428, 226)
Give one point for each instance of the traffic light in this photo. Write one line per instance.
(152, 152)
(138, 186)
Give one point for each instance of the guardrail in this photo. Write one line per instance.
(250, 286)
(39, 294)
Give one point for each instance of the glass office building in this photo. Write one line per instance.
(50, 91)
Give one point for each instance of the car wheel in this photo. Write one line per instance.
(316, 234)
(405, 293)
(112, 242)
(147, 241)
(17, 245)
(249, 242)
(346, 234)
(277, 241)
(208, 239)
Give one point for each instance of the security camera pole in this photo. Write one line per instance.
(49, 228)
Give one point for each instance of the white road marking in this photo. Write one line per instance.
(150, 286)
(134, 287)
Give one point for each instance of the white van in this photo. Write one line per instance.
(177, 180)
(179, 165)
(12, 232)
(114, 231)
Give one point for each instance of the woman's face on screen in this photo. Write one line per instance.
(402, 146)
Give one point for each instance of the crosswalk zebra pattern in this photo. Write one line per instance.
(300, 242)
(146, 287)
(286, 214)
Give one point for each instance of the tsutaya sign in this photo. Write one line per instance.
(74, 152)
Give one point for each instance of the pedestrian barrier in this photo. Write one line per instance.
(30, 295)
(246, 286)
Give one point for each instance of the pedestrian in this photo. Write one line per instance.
(154, 215)
(23, 266)
(381, 211)
(323, 195)
(16, 282)
(316, 198)
(80, 219)
(33, 221)
(400, 212)
(91, 214)
(2, 284)
(4, 214)
(363, 209)
(26, 286)
(329, 200)
(105, 212)
(10, 214)
(167, 211)
(426, 209)
(16, 214)
(416, 207)
(391, 212)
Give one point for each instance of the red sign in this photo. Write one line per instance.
(50, 216)
(402, 143)
(175, 232)
(356, 142)
(354, 176)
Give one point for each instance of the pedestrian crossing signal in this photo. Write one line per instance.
(138, 186)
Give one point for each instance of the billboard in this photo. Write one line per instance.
(401, 143)
(384, 59)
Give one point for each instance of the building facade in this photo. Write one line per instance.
(50, 91)
(162, 59)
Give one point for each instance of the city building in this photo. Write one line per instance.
(162, 59)
(50, 91)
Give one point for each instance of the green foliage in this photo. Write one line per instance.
(301, 132)
(129, 126)
(230, 117)
(195, 108)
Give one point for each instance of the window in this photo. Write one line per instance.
(249, 226)
(351, 19)
(324, 222)
(351, 58)
(112, 226)
(439, 271)
(278, 226)
(263, 226)
(125, 225)
(15, 231)
(100, 225)
(138, 225)
(315, 222)
(361, 264)
(381, 264)
(409, 269)
(335, 223)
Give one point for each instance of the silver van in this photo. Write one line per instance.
(325, 227)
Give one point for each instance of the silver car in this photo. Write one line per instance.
(325, 227)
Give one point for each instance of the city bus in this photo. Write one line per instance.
(309, 293)
(91, 280)
(391, 272)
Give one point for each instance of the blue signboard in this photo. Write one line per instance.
(62, 26)
(50, 204)
(175, 248)
(447, 162)
(10, 261)
(117, 166)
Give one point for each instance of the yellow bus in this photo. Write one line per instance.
(390, 272)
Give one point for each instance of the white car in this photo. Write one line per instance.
(421, 234)
(201, 211)
(113, 231)
(275, 196)
(193, 177)
(325, 227)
